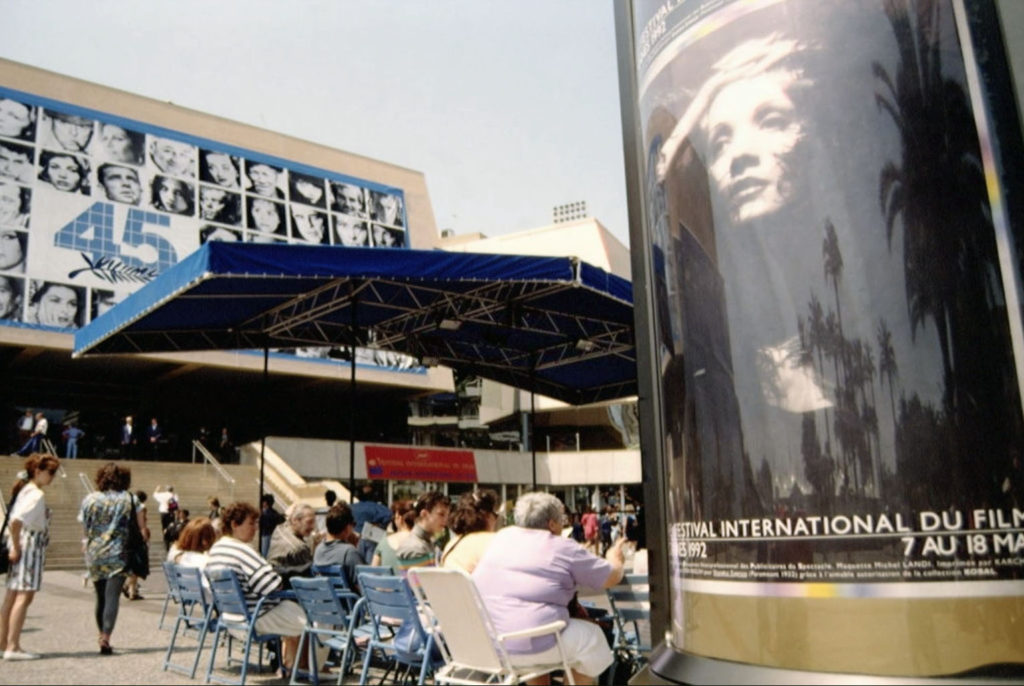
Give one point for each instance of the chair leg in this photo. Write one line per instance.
(163, 611)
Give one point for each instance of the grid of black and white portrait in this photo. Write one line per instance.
(92, 207)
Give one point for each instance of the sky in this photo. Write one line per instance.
(508, 108)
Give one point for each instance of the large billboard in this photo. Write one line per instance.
(93, 205)
(836, 304)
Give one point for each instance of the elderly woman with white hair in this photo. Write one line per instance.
(293, 541)
(529, 575)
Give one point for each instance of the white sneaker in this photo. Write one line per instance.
(19, 655)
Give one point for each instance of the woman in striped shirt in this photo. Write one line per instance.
(29, 524)
(233, 550)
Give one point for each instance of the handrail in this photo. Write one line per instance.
(86, 482)
(214, 462)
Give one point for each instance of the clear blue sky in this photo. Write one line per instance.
(508, 108)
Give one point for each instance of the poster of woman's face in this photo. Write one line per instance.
(16, 162)
(11, 290)
(172, 195)
(306, 189)
(266, 221)
(64, 171)
(264, 179)
(56, 304)
(350, 230)
(220, 168)
(17, 120)
(386, 237)
(13, 248)
(309, 225)
(121, 145)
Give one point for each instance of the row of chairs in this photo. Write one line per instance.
(394, 620)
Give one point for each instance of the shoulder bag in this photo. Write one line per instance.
(5, 560)
(136, 548)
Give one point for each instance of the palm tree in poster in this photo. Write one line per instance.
(937, 192)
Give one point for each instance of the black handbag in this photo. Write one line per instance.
(136, 548)
(5, 560)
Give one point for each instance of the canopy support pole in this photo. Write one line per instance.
(533, 437)
(352, 409)
(266, 413)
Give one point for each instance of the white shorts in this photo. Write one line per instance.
(586, 650)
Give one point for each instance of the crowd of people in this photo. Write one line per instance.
(528, 573)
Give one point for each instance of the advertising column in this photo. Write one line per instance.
(837, 330)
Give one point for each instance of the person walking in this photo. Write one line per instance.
(38, 434)
(105, 516)
(28, 536)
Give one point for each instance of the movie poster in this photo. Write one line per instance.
(92, 206)
(842, 408)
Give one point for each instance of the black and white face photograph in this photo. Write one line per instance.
(386, 237)
(121, 145)
(350, 230)
(120, 183)
(265, 179)
(219, 205)
(16, 161)
(220, 168)
(15, 204)
(58, 305)
(66, 131)
(64, 171)
(349, 199)
(172, 157)
(172, 195)
(17, 119)
(101, 301)
(13, 249)
(11, 297)
(212, 232)
(309, 225)
(309, 190)
(266, 220)
(386, 209)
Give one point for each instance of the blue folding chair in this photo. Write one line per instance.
(234, 614)
(187, 583)
(374, 569)
(389, 602)
(172, 592)
(328, 622)
(340, 582)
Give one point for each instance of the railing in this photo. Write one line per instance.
(86, 483)
(212, 461)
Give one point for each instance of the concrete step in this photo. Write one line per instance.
(193, 483)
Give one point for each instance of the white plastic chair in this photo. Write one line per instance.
(473, 652)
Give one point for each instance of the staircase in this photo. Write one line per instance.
(193, 483)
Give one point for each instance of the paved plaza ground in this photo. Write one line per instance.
(61, 626)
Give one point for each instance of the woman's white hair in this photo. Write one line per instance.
(298, 511)
(536, 510)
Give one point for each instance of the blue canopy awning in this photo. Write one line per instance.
(555, 325)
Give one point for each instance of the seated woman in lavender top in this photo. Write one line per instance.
(528, 576)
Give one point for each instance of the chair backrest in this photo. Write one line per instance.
(228, 596)
(374, 569)
(189, 583)
(172, 586)
(465, 625)
(336, 575)
(318, 598)
(635, 580)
